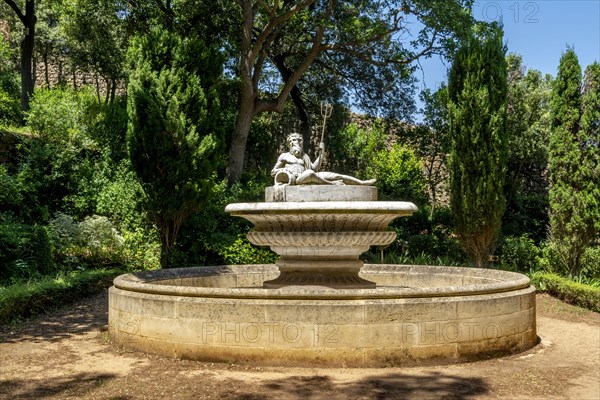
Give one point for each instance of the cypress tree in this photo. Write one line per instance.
(574, 182)
(477, 91)
(174, 132)
(590, 140)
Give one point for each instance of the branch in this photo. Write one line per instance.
(165, 8)
(317, 47)
(17, 10)
(275, 22)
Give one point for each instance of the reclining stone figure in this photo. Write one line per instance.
(296, 168)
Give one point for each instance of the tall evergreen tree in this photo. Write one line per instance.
(477, 91)
(574, 193)
(174, 127)
(528, 126)
(590, 139)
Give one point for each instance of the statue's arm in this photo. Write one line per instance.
(316, 165)
(279, 165)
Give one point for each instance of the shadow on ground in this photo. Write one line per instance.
(86, 317)
(73, 385)
(386, 386)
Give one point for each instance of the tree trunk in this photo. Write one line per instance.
(46, 76)
(60, 72)
(168, 231)
(164, 252)
(113, 91)
(27, 82)
(97, 87)
(107, 96)
(239, 138)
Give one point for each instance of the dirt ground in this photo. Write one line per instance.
(67, 355)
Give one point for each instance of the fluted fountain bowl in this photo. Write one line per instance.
(319, 243)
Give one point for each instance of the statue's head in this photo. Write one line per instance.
(295, 142)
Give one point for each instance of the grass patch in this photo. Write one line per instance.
(23, 300)
(568, 290)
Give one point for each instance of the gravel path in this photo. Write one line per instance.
(68, 355)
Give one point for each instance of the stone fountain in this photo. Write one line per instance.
(319, 305)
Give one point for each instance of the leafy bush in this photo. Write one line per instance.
(24, 252)
(436, 247)
(92, 241)
(567, 290)
(394, 257)
(209, 237)
(101, 239)
(527, 215)
(11, 197)
(58, 176)
(141, 250)
(519, 254)
(59, 113)
(119, 197)
(353, 147)
(64, 233)
(548, 261)
(106, 124)
(9, 88)
(242, 252)
(399, 174)
(27, 299)
(9, 108)
(590, 263)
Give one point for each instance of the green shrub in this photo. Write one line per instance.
(26, 299)
(519, 254)
(106, 124)
(64, 233)
(24, 252)
(101, 240)
(59, 113)
(58, 176)
(92, 241)
(9, 108)
(424, 258)
(208, 237)
(399, 174)
(590, 263)
(549, 261)
(10, 111)
(242, 252)
(119, 197)
(527, 214)
(436, 247)
(352, 148)
(11, 197)
(565, 289)
(141, 250)
(442, 221)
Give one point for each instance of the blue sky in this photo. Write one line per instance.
(537, 30)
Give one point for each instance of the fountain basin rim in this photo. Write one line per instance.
(323, 207)
(153, 282)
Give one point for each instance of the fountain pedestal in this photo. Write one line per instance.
(319, 240)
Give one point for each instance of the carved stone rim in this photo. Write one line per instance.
(314, 207)
(167, 282)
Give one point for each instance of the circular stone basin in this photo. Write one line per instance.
(416, 314)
